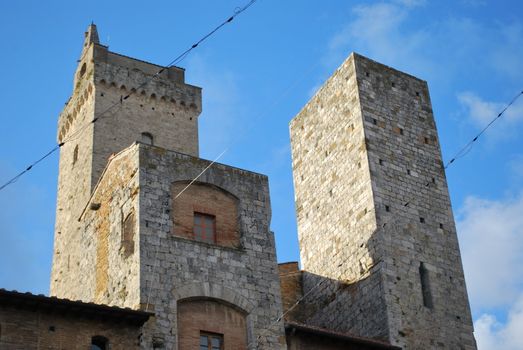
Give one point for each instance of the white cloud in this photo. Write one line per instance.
(480, 112)
(493, 335)
(491, 236)
(377, 28)
(440, 49)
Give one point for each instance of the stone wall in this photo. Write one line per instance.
(335, 211)
(109, 272)
(165, 108)
(175, 268)
(373, 205)
(413, 209)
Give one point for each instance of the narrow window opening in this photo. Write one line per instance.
(83, 69)
(408, 171)
(401, 131)
(374, 121)
(204, 228)
(422, 220)
(128, 228)
(393, 84)
(147, 138)
(380, 161)
(433, 180)
(441, 225)
(426, 140)
(417, 93)
(102, 94)
(425, 286)
(367, 74)
(387, 208)
(75, 154)
(99, 343)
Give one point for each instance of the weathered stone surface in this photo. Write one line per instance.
(371, 198)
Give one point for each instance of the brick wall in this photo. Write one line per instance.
(212, 317)
(206, 199)
(33, 330)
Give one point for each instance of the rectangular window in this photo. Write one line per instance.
(204, 227)
(211, 341)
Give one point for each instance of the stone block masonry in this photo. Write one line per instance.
(374, 214)
(164, 268)
(163, 112)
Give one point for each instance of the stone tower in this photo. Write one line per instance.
(376, 230)
(134, 230)
(164, 113)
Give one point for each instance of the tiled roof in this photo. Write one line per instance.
(31, 301)
(350, 338)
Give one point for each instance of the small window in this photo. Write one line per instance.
(147, 138)
(99, 343)
(211, 341)
(128, 226)
(425, 286)
(83, 69)
(204, 227)
(75, 154)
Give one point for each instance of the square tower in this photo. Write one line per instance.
(374, 214)
(116, 100)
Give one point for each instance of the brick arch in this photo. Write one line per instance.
(209, 307)
(208, 200)
(208, 290)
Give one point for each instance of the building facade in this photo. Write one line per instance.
(143, 223)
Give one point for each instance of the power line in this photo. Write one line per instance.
(466, 149)
(176, 60)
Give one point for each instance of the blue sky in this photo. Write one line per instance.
(256, 74)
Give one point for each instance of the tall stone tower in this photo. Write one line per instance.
(96, 125)
(376, 230)
(133, 228)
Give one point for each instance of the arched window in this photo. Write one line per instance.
(147, 138)
(217, 323)
(205, 213)
(99, 343)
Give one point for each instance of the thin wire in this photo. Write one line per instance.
(466, 149)
(14, 179)
(176, 60)
(201, 173)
